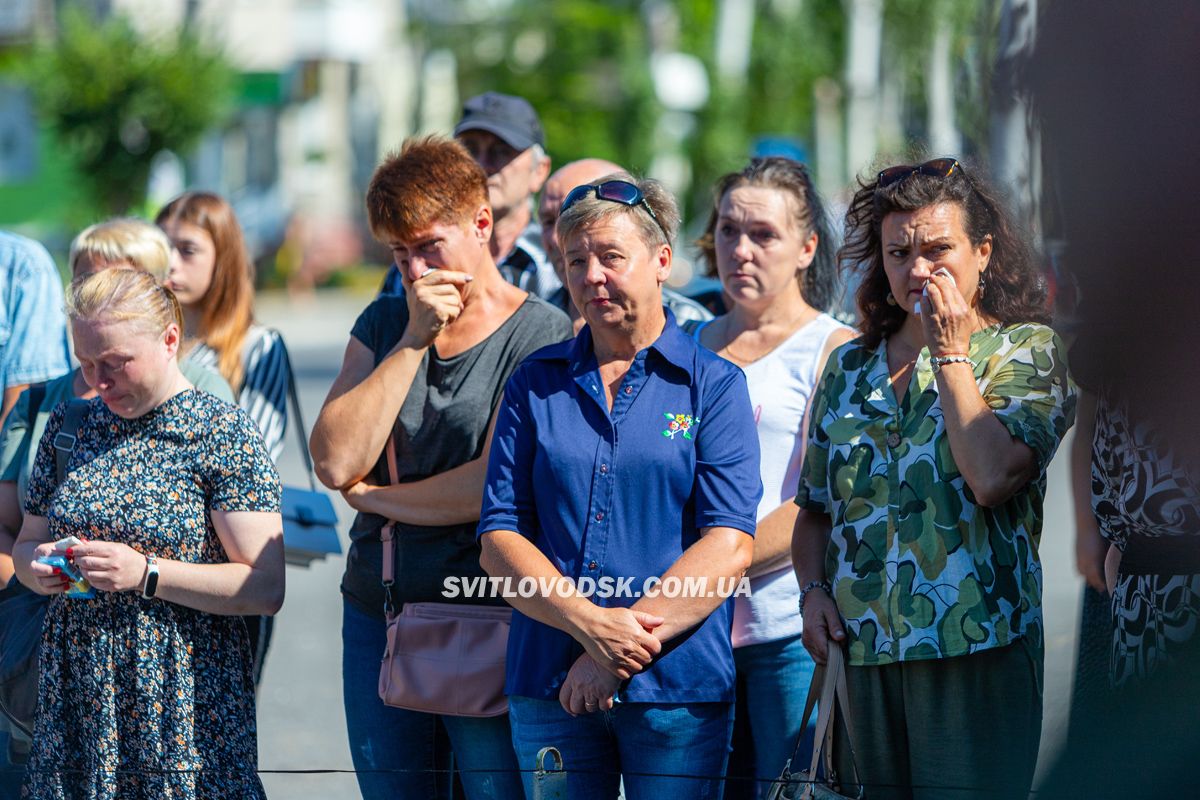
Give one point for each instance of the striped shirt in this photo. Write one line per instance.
(264, 390)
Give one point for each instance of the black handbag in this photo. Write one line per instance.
(309, 519)
(829, 682)
(22, 611)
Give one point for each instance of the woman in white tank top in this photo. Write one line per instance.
(768, 241)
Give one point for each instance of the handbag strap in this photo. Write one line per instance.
(826, 712)
(294, 402)
(834, 693)
(387, 537)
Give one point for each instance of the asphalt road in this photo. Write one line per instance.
(301, 724)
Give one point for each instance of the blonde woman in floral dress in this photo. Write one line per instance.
(146, 688)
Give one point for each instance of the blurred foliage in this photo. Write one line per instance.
(581, 63)
(584, 64)
(115, 98)
(794, 45)
(910, 27)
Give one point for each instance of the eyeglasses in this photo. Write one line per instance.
(937, 168)
(615, 191)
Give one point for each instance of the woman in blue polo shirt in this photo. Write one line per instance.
(626, 459)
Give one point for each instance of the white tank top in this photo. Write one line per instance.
(781, 384)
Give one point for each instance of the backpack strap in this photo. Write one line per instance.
(64, 440)
(37, 395)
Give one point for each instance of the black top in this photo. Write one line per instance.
(441, 426)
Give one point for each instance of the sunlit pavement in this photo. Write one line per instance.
(301, 724)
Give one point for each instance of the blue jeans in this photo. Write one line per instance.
(773, 680)
(394, 750)
(650, 745)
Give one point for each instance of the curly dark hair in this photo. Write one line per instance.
(819, 281)
(1016, 291)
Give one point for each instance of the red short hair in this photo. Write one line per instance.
(432, 179)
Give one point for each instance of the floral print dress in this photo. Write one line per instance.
(145, 698)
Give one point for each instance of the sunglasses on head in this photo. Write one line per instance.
(936, 168)
(615, 191)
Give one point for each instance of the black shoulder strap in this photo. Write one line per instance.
(298, 418)
(64, 441)
(37, 394)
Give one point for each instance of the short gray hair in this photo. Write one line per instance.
(591, 210)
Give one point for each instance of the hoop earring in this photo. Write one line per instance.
(891, 299)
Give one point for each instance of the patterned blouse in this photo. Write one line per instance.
(919, 569)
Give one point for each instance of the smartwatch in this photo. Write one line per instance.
(151, 584)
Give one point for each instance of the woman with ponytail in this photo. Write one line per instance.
(768, 241)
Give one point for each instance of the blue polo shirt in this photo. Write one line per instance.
(621, 495)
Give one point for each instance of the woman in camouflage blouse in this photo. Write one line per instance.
(922, 490)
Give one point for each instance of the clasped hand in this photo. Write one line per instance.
(620, 643)
(621, 640)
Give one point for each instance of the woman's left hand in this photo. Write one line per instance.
(588, 688)
(946, 319)
(110, 566)
(355, 494)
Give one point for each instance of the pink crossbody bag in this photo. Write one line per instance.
(441, 658)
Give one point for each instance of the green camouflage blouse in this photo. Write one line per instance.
(920, 570)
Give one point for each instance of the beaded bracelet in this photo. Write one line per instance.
(826, 586)
(937, 362)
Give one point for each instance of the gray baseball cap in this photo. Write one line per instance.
(507, 116)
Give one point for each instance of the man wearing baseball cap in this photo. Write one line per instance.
(504, 135)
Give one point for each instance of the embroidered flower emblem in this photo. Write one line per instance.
(680, 423)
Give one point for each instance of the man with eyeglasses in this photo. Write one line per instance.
(504, 135)
(564, 179)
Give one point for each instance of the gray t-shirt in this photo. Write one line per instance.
(442, 425)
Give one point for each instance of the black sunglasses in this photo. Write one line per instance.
(937, 168)
(615, 191)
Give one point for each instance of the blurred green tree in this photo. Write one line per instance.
(116, 98)
(581, 63)
(585, 66)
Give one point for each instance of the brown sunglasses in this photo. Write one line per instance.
(936, 168)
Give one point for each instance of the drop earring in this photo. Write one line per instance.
(891, 299)
(982, 286)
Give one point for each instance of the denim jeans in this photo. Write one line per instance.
(653, 747)
(394, 750)
(773, 680)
